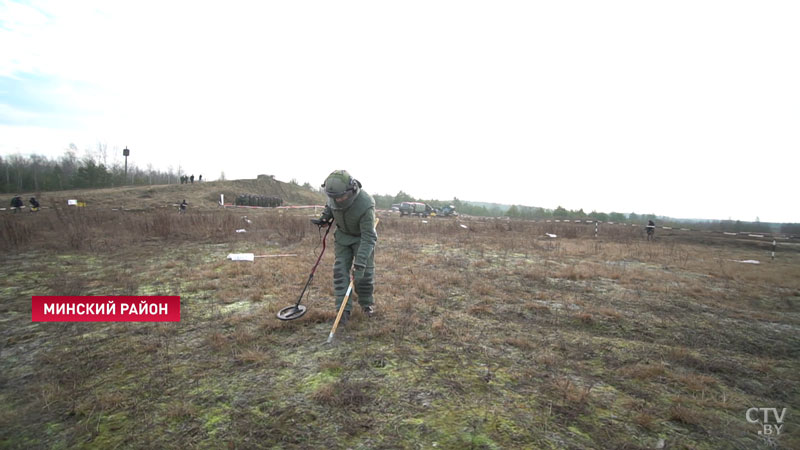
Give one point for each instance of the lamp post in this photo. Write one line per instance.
(125, 153)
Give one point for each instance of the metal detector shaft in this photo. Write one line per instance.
(313, 270)
(297, 311)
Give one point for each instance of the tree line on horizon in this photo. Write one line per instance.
(513, 211)
(36, 173)
(537, 213)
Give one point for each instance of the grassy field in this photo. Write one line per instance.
(489, 334)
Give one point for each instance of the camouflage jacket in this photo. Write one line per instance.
(356, 225)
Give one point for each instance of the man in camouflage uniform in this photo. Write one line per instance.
(353, 211)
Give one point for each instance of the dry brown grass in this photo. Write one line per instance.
(181, 410)
(440, 327)
(522, 343)
(101, 230)
(573, 397)
(644, 371)
(255, 355)
(217, 341)
(344, 393)
(585, 318)
(617, 339)
(696, 382)
(550, 360)
(689, 415)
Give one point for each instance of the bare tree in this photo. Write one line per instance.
(8, 175)
(18, 162)
(36, 160)
(102, 153)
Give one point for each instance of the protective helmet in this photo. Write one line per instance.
(338, 184)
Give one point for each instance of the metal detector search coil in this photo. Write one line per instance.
(292, 312)
(297, 310)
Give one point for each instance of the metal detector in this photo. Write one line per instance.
(297, 310)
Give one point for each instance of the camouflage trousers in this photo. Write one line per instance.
(341, 277)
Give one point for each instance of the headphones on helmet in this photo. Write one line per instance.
(352, 185)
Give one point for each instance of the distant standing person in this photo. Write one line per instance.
(191, 179)
(200, 179)
(16, 203)
(183, 207)
(651, 230)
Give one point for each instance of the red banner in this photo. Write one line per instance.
(106, 309)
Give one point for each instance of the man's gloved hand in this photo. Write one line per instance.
(358, 274)
(325, 219)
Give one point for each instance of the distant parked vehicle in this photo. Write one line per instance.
(448, 210)
(416, 209)
(258, 200)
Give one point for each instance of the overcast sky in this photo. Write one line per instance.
(688, 109)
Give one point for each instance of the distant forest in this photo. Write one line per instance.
(532, 212)
(36, 173)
